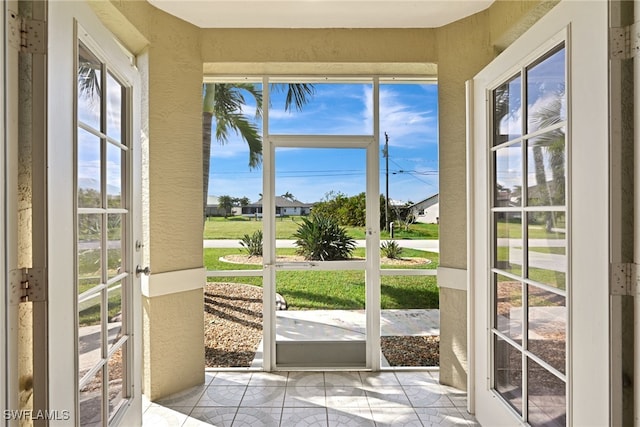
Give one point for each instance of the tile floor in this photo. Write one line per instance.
(251, 399)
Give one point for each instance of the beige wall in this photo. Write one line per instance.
(464, 48)
(172, 179)
(178, 52)
(173, 356)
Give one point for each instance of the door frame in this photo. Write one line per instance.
(585, 24)
(372, 259)
(65, 19)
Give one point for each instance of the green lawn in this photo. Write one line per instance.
(236, 227)
(307, 290)
(513, 230)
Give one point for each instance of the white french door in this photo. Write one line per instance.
(94, 222)
(539, 225)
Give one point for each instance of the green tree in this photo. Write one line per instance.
(244, 201)
(226, 203)
(224, 102)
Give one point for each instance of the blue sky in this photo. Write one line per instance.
(408, 114)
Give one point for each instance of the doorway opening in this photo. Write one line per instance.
(324, 162)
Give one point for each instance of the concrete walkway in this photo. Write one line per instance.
(425, 245)
(349, 325)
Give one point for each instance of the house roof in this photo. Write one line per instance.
(429, 200)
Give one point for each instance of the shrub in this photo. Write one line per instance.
(321, 238)
(391, 249)
(252, 244)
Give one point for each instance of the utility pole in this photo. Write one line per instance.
(385, 153)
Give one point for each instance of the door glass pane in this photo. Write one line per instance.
(547, 172)
(322, 115)
(508, 231)
(530, 236)
(546, 248)
(115, 159)
(101, 240)
(89, 332)
(508, 373)
(547, 322)
(89, 251)
(507, 111)
(114, 236)
(91, 402)
(508, 307)
(547, 403)
(114, 311)
(508, 179)
(114, 108)
(546, 101)
(89, 176)
(116, 371)
(89, 88)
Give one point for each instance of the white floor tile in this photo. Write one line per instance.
(395, 417)
(222, 395)
(258, 417)
(388, 397)
(351, 379)
(350, 417)
(263, 397)
(159, 416)
(216, 416)
(304, 417)
(301, 397)
(346, 397)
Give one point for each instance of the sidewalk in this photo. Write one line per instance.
(425, 245)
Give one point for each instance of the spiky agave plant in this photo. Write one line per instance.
(321, 238)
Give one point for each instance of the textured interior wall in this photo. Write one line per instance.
(464, 48)
(350, 46)
(174, 343)
(168, 52)
(453, 337)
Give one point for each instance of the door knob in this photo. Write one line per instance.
(139, 270)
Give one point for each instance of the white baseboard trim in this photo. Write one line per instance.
(173, 282)
(452, 278)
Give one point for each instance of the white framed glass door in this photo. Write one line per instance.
(94, 194)
(310, 343)
(540, 290)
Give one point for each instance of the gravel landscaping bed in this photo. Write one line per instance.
(233, 330)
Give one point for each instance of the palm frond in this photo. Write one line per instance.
(298, 94)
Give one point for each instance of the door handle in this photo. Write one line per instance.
(139, 270)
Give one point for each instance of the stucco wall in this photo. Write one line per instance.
(173, 355)
(464, 48)
(171, 69)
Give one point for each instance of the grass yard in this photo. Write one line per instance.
(235, 227)
(308, 290)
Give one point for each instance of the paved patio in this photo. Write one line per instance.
(400, 398)
(332, 398)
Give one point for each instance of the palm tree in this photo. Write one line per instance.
(288, 196)
(225, 101)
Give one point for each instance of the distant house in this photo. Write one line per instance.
(427, 210)
(283, 207)
(213, 207)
